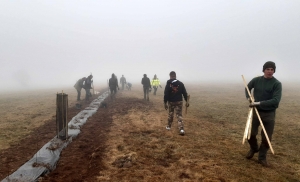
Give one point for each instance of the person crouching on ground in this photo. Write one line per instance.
(128, 85)
(173, 93)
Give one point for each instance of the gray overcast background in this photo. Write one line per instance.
(54, 43)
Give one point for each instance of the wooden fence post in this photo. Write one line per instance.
(61, 116)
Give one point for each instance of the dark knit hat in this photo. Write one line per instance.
(172, 73)
(269, 64)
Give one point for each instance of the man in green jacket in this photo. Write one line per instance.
(267, 95)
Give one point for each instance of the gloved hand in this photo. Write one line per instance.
(166, 106)
(187, 104)
(253, 104)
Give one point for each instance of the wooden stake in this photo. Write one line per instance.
(187, 102)
(248, 123)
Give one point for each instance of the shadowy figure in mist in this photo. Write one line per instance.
(146, 86)
(88, 86)
(78, 86)
(113, 85)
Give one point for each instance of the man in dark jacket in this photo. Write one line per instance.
(113, 85)
(267, 95)
(87, 86)
(146, 86)
(78, 86)
(173, 93)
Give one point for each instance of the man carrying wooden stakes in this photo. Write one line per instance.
(267, 95)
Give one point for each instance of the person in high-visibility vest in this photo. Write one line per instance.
(155, 83)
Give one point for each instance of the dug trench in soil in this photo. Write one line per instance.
(83, 159)
(17, 154)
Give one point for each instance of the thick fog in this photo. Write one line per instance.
(54, 43)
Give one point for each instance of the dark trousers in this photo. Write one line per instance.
(87, 94)
(268, 120)
(113, 91)
(78, 94)
(146, 93)
(155, 89)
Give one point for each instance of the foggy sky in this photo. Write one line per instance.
(54, 43)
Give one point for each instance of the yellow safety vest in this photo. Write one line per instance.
(155, 82)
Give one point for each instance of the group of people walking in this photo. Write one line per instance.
(148, 85)
(266, 97)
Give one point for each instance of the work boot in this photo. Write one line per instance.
(263, 163)
(251, 153)
(263, 149)
(181, 132)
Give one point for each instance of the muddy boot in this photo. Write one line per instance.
(262, 155)
(264, 163)
(253, 147)
(251, 153)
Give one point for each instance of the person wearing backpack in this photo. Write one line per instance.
(173, 93)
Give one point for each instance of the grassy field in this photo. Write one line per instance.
(211, 150)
